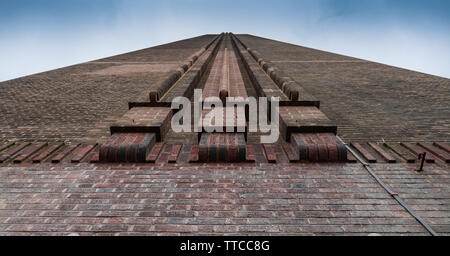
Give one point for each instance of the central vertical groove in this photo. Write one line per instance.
(225, 79)
(223, 140)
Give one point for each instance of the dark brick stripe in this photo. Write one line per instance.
(82, 152)
(65, 152)
(417, 150)
(123, 147)
(351, 158)
(382, 152)
(93, 157)
(145, 146)
(441, 154)
(47, 152)
(442, 146)
(6, 145)
(301, 147)
(104, 148)
(29, 151)
(116, 148)
(402, 152)
(231, 148)
(370, 158)
(12, 151)
(333, 153)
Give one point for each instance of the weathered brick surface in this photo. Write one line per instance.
(10, 152)
(368, 101)
(427, 192)
(82, 152)
(79, 103)
(6, 145)
(364, 152)
(57, 158)
(301, 199)
(402, 152)
(416, 150)
(29, 151)
(436, 151)
(383, 152)
(442, 146)
(41, 156)
(146, 120)
(303, 120)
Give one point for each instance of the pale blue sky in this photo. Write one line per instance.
(40, 35)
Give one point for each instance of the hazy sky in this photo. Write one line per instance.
(40, 35)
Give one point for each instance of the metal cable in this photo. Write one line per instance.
(389, 190)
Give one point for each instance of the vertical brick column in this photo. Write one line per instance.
(225, 80)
